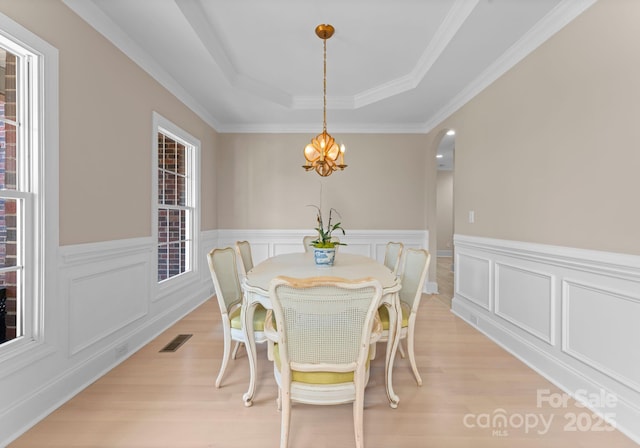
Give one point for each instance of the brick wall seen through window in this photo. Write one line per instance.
(10, 317)
(174, 208)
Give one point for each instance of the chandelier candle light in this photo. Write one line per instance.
(323, 153)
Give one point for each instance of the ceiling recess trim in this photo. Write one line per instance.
(196, 16)
(456, 17)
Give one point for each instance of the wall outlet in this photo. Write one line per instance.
(122, 350)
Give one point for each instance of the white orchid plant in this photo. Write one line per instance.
(324, 233)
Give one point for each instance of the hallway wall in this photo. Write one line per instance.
(444, 213)
(549, 152)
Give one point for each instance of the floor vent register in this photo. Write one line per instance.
(176, 343)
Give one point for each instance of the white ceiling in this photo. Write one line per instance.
(392, 65)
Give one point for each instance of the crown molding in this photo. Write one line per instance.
(315, 128)
(94, 16)
(553, 22)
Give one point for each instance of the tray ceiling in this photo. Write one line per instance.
(392, 66)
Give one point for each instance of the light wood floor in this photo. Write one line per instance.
(444, 276)
(168, 399)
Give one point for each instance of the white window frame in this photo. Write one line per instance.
(38, 170)
(165, 126)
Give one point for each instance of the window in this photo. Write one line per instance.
(14, 191)
(176, 201)
(24, 179)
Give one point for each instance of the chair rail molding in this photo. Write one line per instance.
(570, 314)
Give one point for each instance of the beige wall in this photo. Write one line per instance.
(262, 184)
(549, 152)
(546, 154)
(106, 104)
(444, 211)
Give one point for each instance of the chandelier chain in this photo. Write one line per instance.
(324, 85)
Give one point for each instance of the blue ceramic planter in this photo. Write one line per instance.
(324, 256)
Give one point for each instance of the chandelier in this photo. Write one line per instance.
(323, 154)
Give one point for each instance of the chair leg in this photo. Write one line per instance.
(358, 416)
(279, 400)
(412, 355)
(270, 350)
(401, 349)
(235, 350)
(286, 418)
(226, 353)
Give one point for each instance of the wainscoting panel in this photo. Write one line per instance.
(102, 301)
(597, 324)
(111, 292)
(106, 286)
(526, 299)
(473, 279)
(571, 314)
(260, 251)
(363, 249)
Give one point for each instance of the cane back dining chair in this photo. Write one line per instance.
(243, 249)
(224, 273)
(325, 326)
(392, 256)
(306, 242)
(414, 274)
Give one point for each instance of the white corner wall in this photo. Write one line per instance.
(570, 314)
(107, 306)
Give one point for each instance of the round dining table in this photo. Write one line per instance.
(302, 265)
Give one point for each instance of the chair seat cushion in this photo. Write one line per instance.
(258, 318)
(316, 377)
(383, 312)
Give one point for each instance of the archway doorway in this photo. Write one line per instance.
(445, 213)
